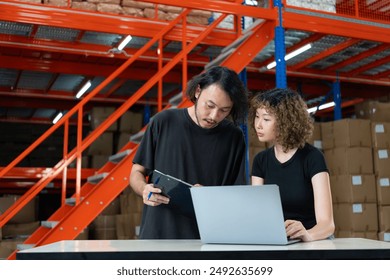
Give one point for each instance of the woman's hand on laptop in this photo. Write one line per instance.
(296, 230)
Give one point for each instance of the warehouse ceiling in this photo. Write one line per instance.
(47, 54)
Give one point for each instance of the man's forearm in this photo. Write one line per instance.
(137, 182)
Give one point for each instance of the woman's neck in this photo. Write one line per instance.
(283, 156)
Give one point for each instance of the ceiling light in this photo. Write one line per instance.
(125, 42)
(58, 117)
(291, 55)
(321, 107)
(83, 89)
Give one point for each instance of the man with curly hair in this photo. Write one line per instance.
(280, 118)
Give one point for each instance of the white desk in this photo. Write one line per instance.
(339, 248)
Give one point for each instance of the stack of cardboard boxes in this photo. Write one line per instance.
(131, 8)
(379, 115)
(120, 220)
(115, 137)
(19, 227)
(103, 147)
(357, 154)
(320, 5)
(348, 151)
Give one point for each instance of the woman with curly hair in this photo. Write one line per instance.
(280, 118)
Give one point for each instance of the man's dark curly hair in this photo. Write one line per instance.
(229, 82)
(294, 125)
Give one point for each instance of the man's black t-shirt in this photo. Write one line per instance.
(175, 145)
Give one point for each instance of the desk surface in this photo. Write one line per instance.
(339, 248)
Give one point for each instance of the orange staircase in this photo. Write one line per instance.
(90, 199)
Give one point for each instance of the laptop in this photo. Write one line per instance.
(240, 215)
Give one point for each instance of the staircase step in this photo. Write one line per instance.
(49, 224)
(119, 156)
(71, 201)
(97, 178)
(136, 138)
(24, 246)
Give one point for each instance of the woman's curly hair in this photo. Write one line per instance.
(294, 125)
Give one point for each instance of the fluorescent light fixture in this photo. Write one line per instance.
(291, 55)
(83, 89)
(323, 106)
(124, 42)
(58, 117)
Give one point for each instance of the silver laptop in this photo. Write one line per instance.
(240, 215)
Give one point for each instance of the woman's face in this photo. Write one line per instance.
(265, 124)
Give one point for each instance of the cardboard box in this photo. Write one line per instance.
(20, 230)
(384, 218)
(113, 208)
(7, 247)
(100, 114)
(103, 145)
(126, 225)
(316, 139)
(346, 133)
(123, 139)
(384, 236)
(104, 221)
(354, 160)
(98, 161)
(103, 227)
(355, 217)
(353, 188)
(373, 110)
(103, 234)
(84, 235)
(131, 122)
(383, 189)
(381, 160)
(380, 134)
(131, 203)
(27, 214)
(357, 234)
(5, 252)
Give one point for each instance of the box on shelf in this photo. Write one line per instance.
(353, 160)
(100, 114)
(355, 216)
(353, 188)
(27, 214)
(381, 160)
(380, 134)
(103, 145)
(384, 218)
(383, 188)
(357, 234)
(373, 110)
(346, 133)
(316, 138)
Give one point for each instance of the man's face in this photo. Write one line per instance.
(212, 106)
